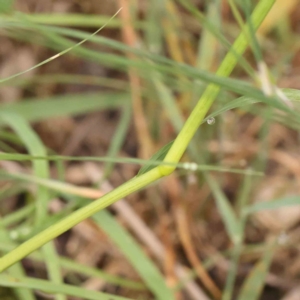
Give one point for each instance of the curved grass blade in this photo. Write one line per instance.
(41, 170)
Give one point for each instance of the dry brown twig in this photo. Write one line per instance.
(131, 39)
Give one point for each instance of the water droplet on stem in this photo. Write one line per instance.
(211, 121)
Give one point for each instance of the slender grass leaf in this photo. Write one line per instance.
(72, 266)
(273, 204)
(35, 147)
(78, 20)
(230, 220)
(41, 170)
(49, 287)
(145, 267)
(37, 110)
(22, 293)
(158, 156)
(254, 283)
(163, 64)
(118, 138)
(17, 216)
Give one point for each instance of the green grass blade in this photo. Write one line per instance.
(57, 55)
(49, 287)
(41, 170)
(17, 216)
(162, 64)
(72, 266)
(36, 110)
(35, 147)
(22, 293)
(118, 138)
(78, 20)
(153, 163)
(158, 156)
(145, 267)
(103, 81)
(273, 204)
(229, 217)
(191, 125)
(253, 285)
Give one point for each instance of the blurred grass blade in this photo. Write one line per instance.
(242, 102)
(158, 156)
(230, 220)
(145, 267)
(21, 293)
(210, 26)
(254, 42)
(6, 6)
(78, 20)
(163, 64)
(49, 287)
(254, 283)
(41, 170)
(273, 204)
(55, 185)
(58, 54)
(119, 137)
(17, 216)
(35, 147)
(72, 266)
(37, 110)
(90, 80)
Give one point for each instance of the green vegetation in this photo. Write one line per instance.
(171, 84)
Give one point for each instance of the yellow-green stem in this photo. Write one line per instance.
(60, 227)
